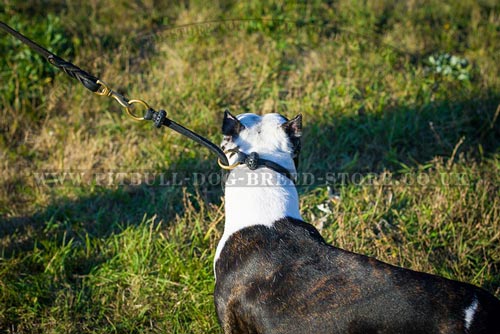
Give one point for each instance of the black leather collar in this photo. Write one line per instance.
(253, 161)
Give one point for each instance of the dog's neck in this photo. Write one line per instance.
(258, 197)
(261, 196)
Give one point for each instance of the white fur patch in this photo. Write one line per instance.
(262, 196)
(469, 313)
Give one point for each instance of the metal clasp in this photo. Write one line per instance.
(104, 90)
(228, 167)
(233, 166)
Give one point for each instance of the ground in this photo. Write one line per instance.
(400, 155)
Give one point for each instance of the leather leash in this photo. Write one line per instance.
(159, 118)
(98, 87)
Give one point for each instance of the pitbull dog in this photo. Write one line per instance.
(276, 274)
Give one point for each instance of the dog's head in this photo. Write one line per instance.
(271, 136)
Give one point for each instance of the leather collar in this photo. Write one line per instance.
(253, 161)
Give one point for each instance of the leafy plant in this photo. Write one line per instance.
(451, 66)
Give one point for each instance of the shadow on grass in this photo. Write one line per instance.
(403, 137)
(104, 212)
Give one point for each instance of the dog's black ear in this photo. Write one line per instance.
(293, 128)
(231, 126)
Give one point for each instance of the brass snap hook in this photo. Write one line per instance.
(104, 90)
(229, 167)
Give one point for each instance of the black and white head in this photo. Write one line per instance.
(272, 136)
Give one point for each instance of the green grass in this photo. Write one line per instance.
(83, 255)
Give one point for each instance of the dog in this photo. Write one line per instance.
(275, 273)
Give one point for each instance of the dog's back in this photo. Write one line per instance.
(286, 279)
